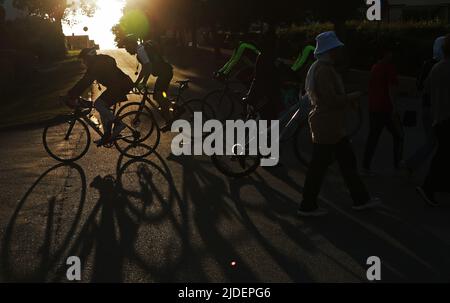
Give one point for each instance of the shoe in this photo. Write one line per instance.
(367, 173)
(373, 202)
(427, 196)
(318, 212)
(103, 140)
(118, 128)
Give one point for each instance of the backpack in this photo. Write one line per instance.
(160, 65)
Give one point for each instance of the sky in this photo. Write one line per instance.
(107, 14)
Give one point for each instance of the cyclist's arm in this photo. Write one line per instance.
(237, 56)
(146, 70)
(225, 67)
(302, 58)
(81, 85)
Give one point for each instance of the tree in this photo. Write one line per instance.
(56, 10)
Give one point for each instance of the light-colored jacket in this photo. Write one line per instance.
(329, 104)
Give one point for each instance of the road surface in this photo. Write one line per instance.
(177, 219)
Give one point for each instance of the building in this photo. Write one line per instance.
(416, 10)
(77, 42)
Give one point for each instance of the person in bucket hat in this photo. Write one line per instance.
(329, 103)
(327, 41)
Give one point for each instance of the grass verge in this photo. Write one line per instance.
(37, 101)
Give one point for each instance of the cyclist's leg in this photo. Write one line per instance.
(102, 105)
(161, 90)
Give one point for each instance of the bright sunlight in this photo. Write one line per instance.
(107, 14)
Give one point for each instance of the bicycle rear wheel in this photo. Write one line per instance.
(67, 141)
(140, 138)
(144, 123)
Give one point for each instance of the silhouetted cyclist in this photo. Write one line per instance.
(152, 63)
(266, 81)
(242, 62)
(104, 70)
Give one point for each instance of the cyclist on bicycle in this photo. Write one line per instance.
(267, 81)
(104, 70)
(152, 63)
(244, 56)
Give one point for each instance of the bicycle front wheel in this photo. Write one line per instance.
(222, 103)
(67, 141)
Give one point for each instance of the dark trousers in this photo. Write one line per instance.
(437, 179)
(379, 121)
(323, 156)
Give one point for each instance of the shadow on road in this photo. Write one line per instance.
(42, 225)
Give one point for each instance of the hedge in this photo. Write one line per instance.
(412, 42)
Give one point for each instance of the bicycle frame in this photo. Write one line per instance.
(147, 93)
(84, 117)
(286, 121)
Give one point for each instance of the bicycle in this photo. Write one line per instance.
(225, 100)
(68, 138)
(291, 121)
(182, 109)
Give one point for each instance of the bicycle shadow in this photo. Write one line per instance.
(209, 206)
(276, 210)
(37, 236)
(112, 241)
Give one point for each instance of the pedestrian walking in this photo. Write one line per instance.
(418, 158)
(329, 103)
(382, 110)
(438, 88)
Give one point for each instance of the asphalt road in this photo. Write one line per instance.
(177, 219)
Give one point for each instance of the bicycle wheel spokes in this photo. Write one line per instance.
(222, 104)
(67, 141)
(140, 126)
(140, 137)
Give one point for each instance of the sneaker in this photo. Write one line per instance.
(373, 202)
(106, 139)
(318, 212)
(427, 196)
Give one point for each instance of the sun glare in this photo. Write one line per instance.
(107, 14)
